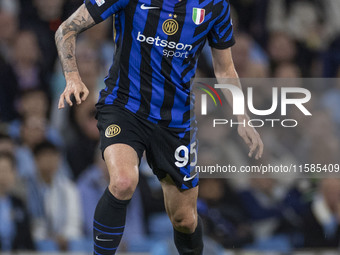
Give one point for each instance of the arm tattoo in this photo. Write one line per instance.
(65, 37)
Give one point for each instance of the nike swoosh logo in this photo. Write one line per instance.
(103, 240)
(143, 7)
(186, 178)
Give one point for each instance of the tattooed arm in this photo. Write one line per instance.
(65, 38)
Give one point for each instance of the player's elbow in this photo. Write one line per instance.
(59, 33)
(63, 30)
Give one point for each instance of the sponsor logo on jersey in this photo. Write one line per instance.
(171, 49)
(198, 15)
(170, 27)
(112, 131)
(100, 2)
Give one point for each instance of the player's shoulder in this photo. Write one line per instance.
(218, 5)
(221, 7)
(223, 2)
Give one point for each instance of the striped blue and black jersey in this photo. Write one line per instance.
(158, 43)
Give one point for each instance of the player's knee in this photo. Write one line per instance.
(123, 187)
(184, 221)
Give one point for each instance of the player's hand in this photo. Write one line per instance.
(74, 87)
(252, 138)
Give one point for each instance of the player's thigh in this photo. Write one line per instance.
(181, 205)
(122, 143)
(121, 159)
(122, 163)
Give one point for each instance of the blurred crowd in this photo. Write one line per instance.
(52, 173)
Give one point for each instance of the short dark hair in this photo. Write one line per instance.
(8, 156)
(44, 146)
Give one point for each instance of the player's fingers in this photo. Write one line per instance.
(77, 97)
(85, 94)
(61, 103)
(68, 99)
(260, 150)
(254, 144)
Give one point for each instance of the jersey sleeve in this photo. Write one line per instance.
(100, 10)
(221, 35)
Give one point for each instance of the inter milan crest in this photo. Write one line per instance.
(198, 15)
(170, 26)
(112, 131)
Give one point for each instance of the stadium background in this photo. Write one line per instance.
(275, 38)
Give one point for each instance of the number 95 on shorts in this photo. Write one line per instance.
(174, 152)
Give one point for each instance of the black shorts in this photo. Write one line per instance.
(168, 150)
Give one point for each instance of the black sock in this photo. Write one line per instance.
(190, 244)
(108, 224)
